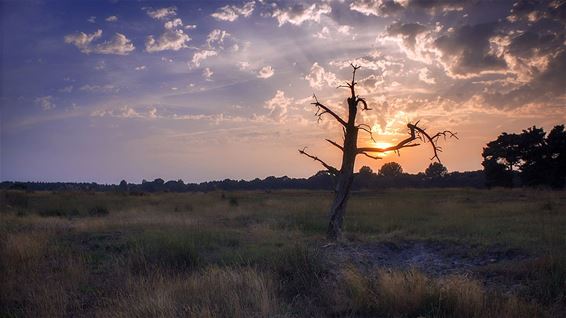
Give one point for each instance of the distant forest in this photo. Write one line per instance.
(365, 179)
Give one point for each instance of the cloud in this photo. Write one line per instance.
(119, 44)
(407, 31)
(438, 5)
(243, 65)
(216, 37)
(173, 24)
(140, 68)
(345, 29)
(66, 89)
(46, 102)
(300, 13)
(323, 34)
(202, 55)
(265, 72)
(161, 14)
(112, 18)
(232, 12)
(318, 77)
(173, 40)
(387, 8)
(466, 51)
(376, 7)
(92, 19)
(82, 40)
(278, 106)
(425, 76)
(99, 88)
(207, 73)
(126, 112)
(546, 87)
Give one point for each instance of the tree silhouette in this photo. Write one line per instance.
(365, 170)
(556, 141)
(391, 170)
(436, 170)
(538, 160)
(350, 150)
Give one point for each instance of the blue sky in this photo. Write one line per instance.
(199, 90)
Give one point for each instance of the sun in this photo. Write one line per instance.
(383, 144)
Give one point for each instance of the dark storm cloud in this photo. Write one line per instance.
(529, 43)
(408, 31)
(544, 87)
(466, 50)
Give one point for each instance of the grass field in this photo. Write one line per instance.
(407, 253)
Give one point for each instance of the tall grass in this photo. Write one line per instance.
(210, 292)
(198, 255)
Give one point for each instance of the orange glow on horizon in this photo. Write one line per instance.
(383, 144)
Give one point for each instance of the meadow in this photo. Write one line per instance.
(406, 253)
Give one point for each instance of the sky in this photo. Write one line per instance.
(100, 91)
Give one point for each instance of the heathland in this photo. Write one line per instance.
(406, 253)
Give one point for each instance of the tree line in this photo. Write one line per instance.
(391, 175)
(531, 158)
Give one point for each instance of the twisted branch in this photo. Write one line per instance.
(367, 129)
(415, 132)
(328, 167)
(322, 109)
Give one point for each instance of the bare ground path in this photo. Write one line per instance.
(435, 259)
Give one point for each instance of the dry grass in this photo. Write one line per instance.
(411, 294)
(200, 255)
(37, 278)
(212, 292)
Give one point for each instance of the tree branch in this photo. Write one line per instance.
(368, 155)
(424, 136)
(328, 167)
(367, 129)
(335, 144)
(363, 101)
(415, 132)
(321, 110)
(353, 84)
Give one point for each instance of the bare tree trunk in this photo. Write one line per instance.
(345, 175)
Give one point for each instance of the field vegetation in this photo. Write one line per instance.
(406, 253)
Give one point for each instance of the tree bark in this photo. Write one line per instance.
(345, 175)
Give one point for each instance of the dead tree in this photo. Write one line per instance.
(350, 150)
